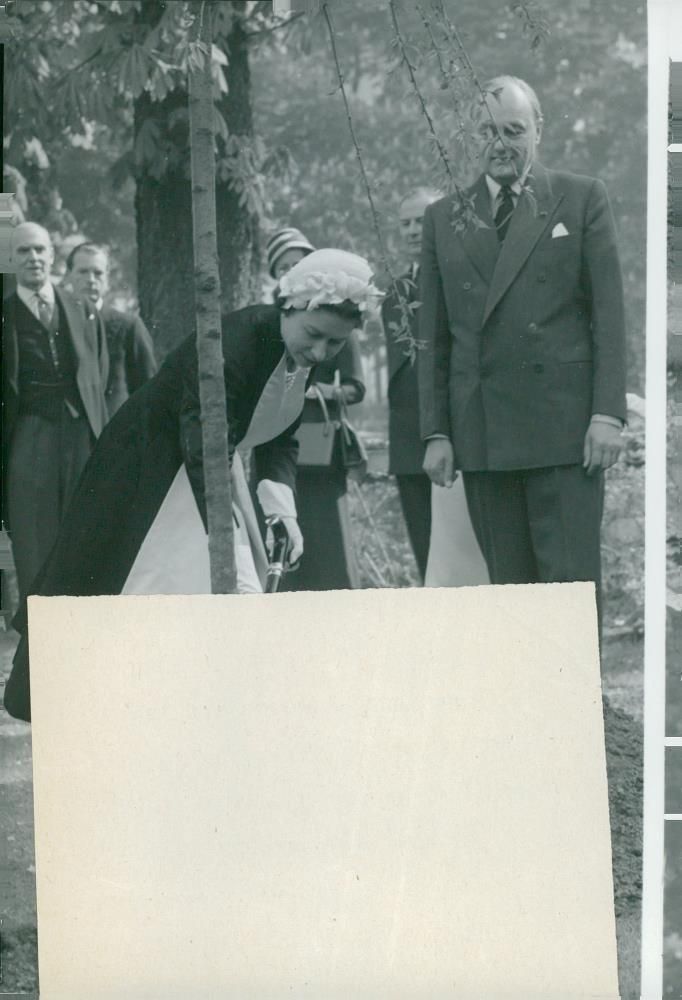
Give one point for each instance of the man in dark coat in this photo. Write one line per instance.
(131, 351)
(405, 446)
(55, 366)
(522, 381)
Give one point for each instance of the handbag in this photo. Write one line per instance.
(316, 438)
(353, 451)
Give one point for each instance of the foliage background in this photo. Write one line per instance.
(590, 74)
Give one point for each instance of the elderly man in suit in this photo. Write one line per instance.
(55, 366)
(522, 381)
(405, 446)
(131, 351)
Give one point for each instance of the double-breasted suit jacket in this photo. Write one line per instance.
(524, 342)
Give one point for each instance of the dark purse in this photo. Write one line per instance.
(353, 452)
(316, 438)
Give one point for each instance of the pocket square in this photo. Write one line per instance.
(559, 230)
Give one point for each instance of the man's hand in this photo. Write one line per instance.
(439, 462)
(603, 445)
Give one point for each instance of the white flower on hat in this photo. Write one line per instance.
(329, 277)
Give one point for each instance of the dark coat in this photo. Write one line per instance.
(328, 562)
(137, 457)
(405, 446)
(131, 356)
(92, 363)
(525, 343)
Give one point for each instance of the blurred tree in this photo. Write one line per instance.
(120, 67)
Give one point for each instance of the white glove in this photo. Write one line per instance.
(278, 499)
(295, 539)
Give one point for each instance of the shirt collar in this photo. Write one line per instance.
(27, 295)
(494, 188)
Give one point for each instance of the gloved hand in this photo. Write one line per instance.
(295, 539)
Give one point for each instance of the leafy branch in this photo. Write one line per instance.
(403, 334)
(462, 214)
(447, 76)
(418, 93)
(270, 29)
(454, 39)
(534, 22)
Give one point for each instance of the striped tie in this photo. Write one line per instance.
(504, 212)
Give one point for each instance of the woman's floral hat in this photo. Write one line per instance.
(329, 277)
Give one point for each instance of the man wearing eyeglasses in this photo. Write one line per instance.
(522, 380)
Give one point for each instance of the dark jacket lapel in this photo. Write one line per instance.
(89, 343)
(480, 241)
(533, 213)
(85, 346)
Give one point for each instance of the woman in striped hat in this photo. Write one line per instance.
(284, 249)
(328, 562)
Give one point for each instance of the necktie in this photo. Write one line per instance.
(44, 309)
(504, 211)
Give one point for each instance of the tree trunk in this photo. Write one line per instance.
(163, 206)
(207, 297)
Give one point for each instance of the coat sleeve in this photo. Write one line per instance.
(276, 459)
(605, 284)
(139, 360)
(191, 445)
(433, 358)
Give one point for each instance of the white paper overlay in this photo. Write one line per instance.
(392, 794)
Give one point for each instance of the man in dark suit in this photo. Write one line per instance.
(131, 351)
(522, 381)
(405, 447)
(55, 366)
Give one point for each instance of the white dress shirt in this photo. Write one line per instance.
(30, 297)
(495, 189)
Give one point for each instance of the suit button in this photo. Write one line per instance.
(542, 277)
(538, 369)
(533, 327)
(467, 286)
